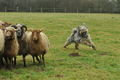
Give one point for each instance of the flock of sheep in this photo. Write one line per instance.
(15, 40)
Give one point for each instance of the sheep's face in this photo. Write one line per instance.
(10, 33)
(4, 24)
(35, 34)
(21, 29)
(19, 32)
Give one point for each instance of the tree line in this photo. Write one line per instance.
(92, 6)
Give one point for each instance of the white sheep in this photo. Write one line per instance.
(11, 45)
(38, 44)
(2, 40)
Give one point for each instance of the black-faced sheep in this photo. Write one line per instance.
(22, 40)
(11, 45)
(38, 44)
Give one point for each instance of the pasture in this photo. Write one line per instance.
(100, 64)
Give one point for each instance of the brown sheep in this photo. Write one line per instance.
(2, 40)
(4, 24)
(38, 44)
(11, 45)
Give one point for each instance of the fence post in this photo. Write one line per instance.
(17, 9)
(5, 9)
(115, 9)
(54, 9)
(41, 10)
(77, 9)
(89, 10)
(30, 9)
(100, 10)
(65, 9)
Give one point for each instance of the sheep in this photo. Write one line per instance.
(2, 40)
(4, 24)
(22, 40)
(38, 44)
(11, 45)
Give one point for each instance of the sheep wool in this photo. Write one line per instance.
(2, 40)
(38, 44)
(11, 45)
(22, 40)
(37, 47)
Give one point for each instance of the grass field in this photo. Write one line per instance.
(100, 64)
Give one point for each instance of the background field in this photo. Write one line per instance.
(102, 64)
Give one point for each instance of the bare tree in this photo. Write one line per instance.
(117, 3)
(69, 5)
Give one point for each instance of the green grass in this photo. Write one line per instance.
(105, 33)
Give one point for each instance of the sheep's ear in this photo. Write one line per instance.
(7, 24)
(41, 30)
(31, 29)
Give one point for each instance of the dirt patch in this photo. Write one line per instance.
(61, 76)
(74, 54)
(103, 53)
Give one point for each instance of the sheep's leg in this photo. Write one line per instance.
(10, 60)
(38, 59)
(6, 59)
(43, 60)
(0, 62)
(33, 59)
(14, 60)
(24, 60)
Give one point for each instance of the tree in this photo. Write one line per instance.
(71, 5)
(117, 3)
